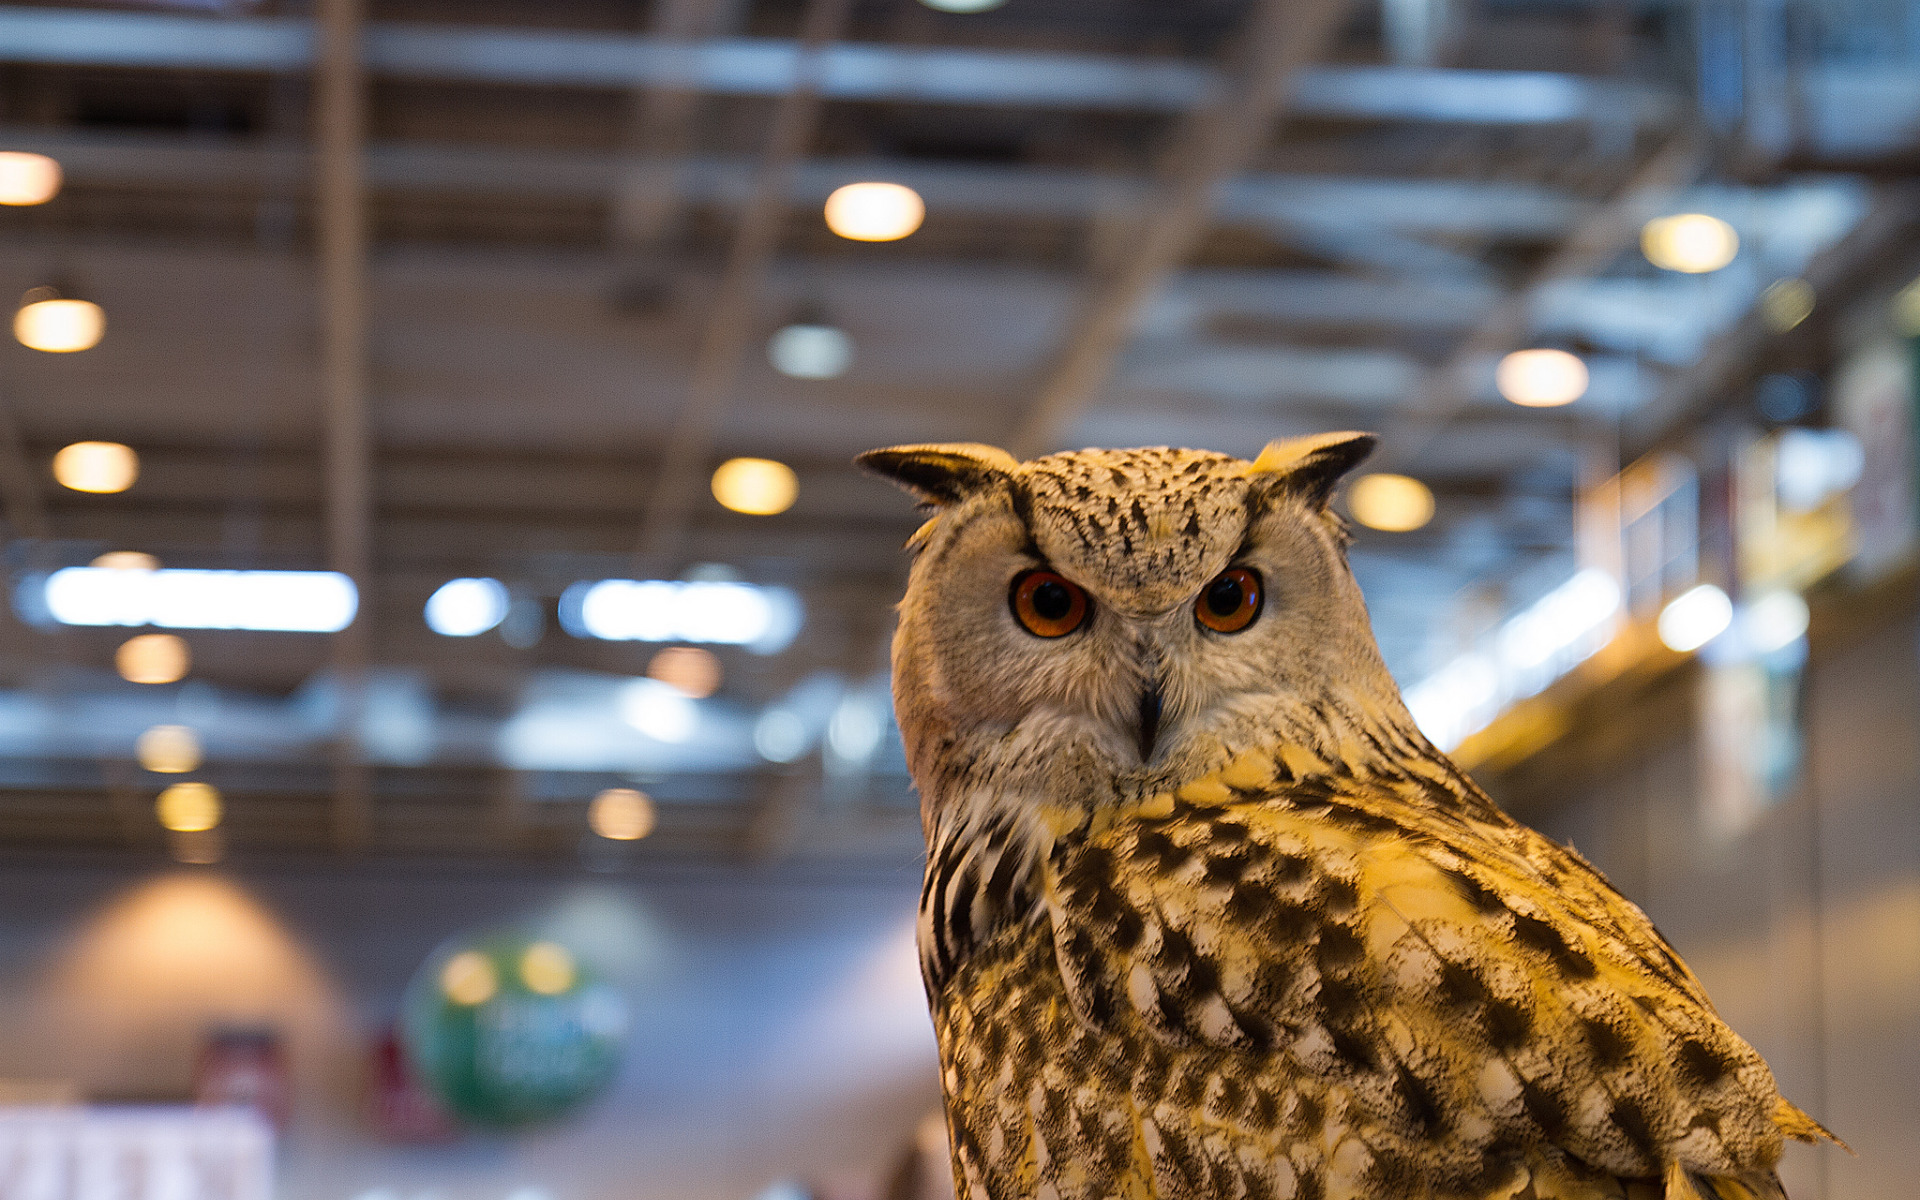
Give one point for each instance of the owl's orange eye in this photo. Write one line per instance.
(1047, 605)
(1231, 602)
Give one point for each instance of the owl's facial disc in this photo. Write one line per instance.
(1149, 720)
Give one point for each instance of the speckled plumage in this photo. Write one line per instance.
(1293, 953)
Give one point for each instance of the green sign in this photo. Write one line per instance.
(509, 1030)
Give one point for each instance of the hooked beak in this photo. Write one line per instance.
(1149, 730)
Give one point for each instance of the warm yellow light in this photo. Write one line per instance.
(27, 178)
(1395, 503)
(622, 815)
(125, 560)
(60, 326)
(759, 486)
(547, 968)
(1691, 242)
(153, 658)
(875, 212)
(1786, 303)
(190, 807)
(469, 978)
(99, 467)
(1541, 378)
(687, 669)
(169, 749)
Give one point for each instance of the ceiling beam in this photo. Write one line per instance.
(1356, 205)
(341, 192)
(732, 317)
(848, 71)
(1213, 145)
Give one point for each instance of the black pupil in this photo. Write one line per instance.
(1224, 596)
(1051, 600)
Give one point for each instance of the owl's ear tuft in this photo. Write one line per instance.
(1311, 466)
(943, 473)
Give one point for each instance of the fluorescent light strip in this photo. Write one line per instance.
(763, 619)
(268, 601)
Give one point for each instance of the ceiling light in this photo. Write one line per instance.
(759, 486)
(190, 807)
(810, 351)
(687, 669)
(98, 467)
(27, 178)
(467, 607)
(1695, 617)
(48, 322)
(168, 749)
(271, 601)
(153, 658)
(547, 968)
(1774, 622)
(663, 713)
(1694, 243)
(763, 619)
(963, 6)
(126, 560)
(1541, 378)
(1786, 303)
(874, 212)
(1395, 503)
(469, 979)
(780, 735)
(621, 815)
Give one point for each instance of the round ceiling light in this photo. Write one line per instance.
(1394, 503)
(875, 212)
(190, 807)
(1693, 243)
(1541, 378)
(622, 815)
(759, 486)
(805, 351)
(99, 467)
(57, 325)
(1786, 303)
(27, 178)
(153, 658)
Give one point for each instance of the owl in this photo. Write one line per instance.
(1205, 915)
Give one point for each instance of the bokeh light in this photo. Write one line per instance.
(467, 607)
(547, 968)
(125, 560)
(874, 212)
(469, 978)
(60, 326)
(759, 486)
(1693, 243)
(663, 713)
(153, 658)
(810, 351)
(1695, 617)
(622, 814)
(1541, 378)
(188, 807)
(28, 178)
(963, 6)
(168, 749)
(98, 467)
(687, 669)
(1786, 303)
(1394, 503)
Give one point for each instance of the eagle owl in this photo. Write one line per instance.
(1206, 916)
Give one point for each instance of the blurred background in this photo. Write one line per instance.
(445, 750)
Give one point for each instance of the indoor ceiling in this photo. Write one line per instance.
(1205, 224)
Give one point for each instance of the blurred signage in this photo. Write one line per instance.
(1874, 401)
(135, 1154)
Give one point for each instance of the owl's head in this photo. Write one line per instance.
(1127, 619)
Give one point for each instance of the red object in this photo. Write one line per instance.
(398, 1107)
(245, 1068)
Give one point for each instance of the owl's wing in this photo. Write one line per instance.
(1473, 992)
